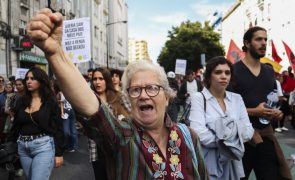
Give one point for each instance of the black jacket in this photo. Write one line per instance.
(183, 90)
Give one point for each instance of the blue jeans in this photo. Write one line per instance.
(37, 157)
(70, 131)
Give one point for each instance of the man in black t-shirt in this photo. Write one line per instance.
(255, 81)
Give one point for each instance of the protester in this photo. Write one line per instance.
(20, 91)
(173, 106)
(68, 119)
(255, 81)
(148, 146)
(5, 116)
(9, 99)
(2, 92)
(89, 74)
(189, 86)
(37, 128)
(116, 78)
(102, 84)
(220, 119)
(290, 72)
(2, 103)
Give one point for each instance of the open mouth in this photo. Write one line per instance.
(146, 107)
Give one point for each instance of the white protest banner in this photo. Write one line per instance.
(180, 66)
(20, 73)
(76, 39)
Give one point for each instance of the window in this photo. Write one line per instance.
(22, 24)
(24, 12)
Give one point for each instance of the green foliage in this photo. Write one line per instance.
(189, 41)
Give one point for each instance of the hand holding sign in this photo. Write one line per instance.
(45, 30)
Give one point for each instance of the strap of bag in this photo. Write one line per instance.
(185, 111)
(189, 142)
(204, 101)
(34, 122)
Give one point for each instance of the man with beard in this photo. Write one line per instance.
(254, 81)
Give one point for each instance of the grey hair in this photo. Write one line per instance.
(144, 65)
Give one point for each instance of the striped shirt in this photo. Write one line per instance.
(131, 153)
(93, 152)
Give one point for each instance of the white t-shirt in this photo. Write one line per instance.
(191, 88)
(279, 88)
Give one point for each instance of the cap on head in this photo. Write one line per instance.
(171, 74)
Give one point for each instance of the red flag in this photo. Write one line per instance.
(234, 53)
(288, 84)
(290, 55)
(274, 53)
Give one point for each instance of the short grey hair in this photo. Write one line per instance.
(144, 65)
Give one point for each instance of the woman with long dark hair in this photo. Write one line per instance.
(102, 85)
(37, 128)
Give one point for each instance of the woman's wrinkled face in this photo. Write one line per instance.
(99, 82)
(32, 83)
(148, 111)
(220, 77)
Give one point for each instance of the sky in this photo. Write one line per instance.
(151, 20)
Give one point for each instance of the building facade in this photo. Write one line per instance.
(117, 28)
(138, 50)
(15, 15)
(276, 17)
(105, 38)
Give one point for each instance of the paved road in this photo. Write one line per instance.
(78, 167)
(287, 142)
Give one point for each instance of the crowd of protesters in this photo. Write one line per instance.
(134, 119)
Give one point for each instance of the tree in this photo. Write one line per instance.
(189, 41)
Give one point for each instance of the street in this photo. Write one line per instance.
(287, 142)
(77, 166)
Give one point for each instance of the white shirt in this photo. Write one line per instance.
(279, 88)
(235, 108)
(191, 88)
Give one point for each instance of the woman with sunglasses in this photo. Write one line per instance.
(102, 85)
(37, 127)
(220, 119)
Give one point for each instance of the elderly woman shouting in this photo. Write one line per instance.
(147, 146)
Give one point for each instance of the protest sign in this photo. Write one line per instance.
(76, 39)
(20, 73)
(180, 66)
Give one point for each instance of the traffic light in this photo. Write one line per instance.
(26, 44)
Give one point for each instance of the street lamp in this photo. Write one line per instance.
(108, 38)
